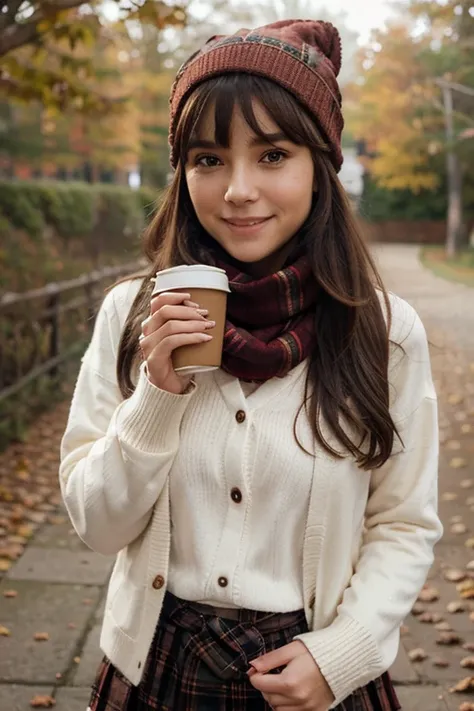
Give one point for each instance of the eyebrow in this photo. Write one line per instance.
(268, 139)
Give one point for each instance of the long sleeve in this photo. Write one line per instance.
(401, 529)
(115, 453)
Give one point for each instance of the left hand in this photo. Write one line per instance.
(299, 687)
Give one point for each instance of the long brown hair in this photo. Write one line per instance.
(347, 384)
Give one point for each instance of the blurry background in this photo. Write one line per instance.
(84, 92)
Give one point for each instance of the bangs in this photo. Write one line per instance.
(229, 92)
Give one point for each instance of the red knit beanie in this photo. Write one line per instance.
(303, 56)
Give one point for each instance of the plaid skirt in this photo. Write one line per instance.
(198, 661)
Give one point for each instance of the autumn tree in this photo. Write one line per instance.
(32, 31)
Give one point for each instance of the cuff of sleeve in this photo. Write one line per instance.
(149, 420)
(346, 654)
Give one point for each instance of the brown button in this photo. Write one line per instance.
(240, 416)
(158, 582)
(236, 495)
(223, 582)
(312, 600)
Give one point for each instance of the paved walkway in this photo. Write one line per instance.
(57, 587)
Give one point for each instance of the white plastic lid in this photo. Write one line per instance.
(188, 276)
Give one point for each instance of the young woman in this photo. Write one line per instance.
(274, 520)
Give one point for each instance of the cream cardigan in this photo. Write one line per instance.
(368, 540)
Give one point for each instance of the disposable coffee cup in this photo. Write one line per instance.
(208, 287)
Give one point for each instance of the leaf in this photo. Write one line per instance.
(466, 428)
(449, 639)
(458, 463)
(428, 594)
(454, 575)
(417, 655)
(10, 593)
(77, 660)
(4, 631)
(466, 483)
(44, 702)
(441, 663)
(458, 529)
(455, 398)
(41, 636)
(430, 618)
(449, 496)
(469, 543)
(466, 706)
(467, 663)
(5, 565)
(443, 627)
(455, 607)
(464, 685)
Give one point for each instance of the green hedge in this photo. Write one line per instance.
(56, 230)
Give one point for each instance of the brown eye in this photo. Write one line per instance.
(207, 161)
(274, 156)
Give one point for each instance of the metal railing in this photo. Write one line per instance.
(43, 328)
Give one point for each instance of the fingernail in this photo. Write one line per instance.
(210, 324)
(203, 312)
(191, 304)
(206, 336)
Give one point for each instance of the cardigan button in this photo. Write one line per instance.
(158, 582)
(236, 495)
(223, 582)
(312, 601)
(240, 416)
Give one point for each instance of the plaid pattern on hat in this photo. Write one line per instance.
(303, 56)
(198, 662)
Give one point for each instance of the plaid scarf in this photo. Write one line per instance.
(270, 321)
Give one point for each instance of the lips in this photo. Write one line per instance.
(245, 222)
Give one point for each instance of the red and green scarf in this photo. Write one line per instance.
(270, 321)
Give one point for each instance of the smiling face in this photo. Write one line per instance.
(251, 195)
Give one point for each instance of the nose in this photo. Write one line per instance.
(242, 187)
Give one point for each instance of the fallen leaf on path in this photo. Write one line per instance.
(449, 639)
(456, 519)
(430, 617)
(43, 702)
(443, 627)
(404, 630)
(466, 589)
(466, 428)
(454, 607)
(10, 593)
(469, 543)
(59, 675)
(453, 575)
(442, 663)
(469, 646)
(464, 685)
(41, 636)
(466, 483)
(4, 631)
(466, 706)
(455, 399)
(77, 660)
(417, 655)
(418, 609)
(5, 565)
(428, 595)
(458, 463)
(467, 663)
(57, 520)
(449, 496)
(470, 565)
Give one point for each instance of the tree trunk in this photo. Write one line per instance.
(454, 220)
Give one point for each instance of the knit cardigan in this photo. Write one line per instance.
(369, 536)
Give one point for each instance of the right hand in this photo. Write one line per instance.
(174, 321)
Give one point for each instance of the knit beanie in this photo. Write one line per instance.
(303, 56)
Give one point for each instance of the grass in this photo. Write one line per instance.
(459, 269)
